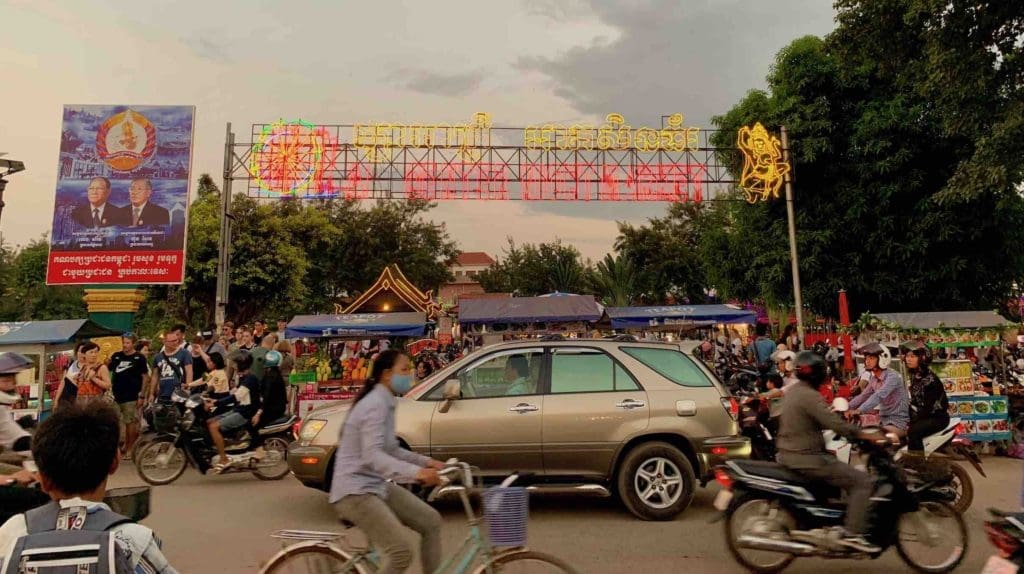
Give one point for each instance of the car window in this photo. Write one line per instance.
(671, 364)
(509, 373)
(587, 371)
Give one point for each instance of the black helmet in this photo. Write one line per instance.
(244, 361)
(919, 349)
(810, 367)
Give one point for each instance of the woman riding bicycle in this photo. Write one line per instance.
(369, 455)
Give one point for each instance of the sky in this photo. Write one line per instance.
(525, 62)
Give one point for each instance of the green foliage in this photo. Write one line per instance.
(529, 270)
(614, 280)
(903, 126)
(26, 295)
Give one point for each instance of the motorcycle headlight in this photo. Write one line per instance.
(311, 428)
(187, 420)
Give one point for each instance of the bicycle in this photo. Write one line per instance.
(335, 553)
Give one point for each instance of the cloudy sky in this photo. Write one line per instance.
(338, 61)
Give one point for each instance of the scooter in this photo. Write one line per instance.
(165, 458)
(774, 515)
(956, 487)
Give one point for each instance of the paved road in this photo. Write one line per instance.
(219, 524)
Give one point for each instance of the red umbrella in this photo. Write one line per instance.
(844, 320)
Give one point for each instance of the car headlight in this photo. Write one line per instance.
(311, 429)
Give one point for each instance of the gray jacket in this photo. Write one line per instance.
(804, 416)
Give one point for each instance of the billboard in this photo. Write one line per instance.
(121, 211)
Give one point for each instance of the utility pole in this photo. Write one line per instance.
(797, 298)
(8, 166)
(224, 246)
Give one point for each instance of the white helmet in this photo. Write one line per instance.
(879, 350)
(787, 356)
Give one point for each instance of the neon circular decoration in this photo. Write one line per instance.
(286, 158)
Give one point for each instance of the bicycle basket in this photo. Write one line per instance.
(165, 418)
(507, 512)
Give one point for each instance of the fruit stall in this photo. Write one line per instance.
(976, 400)
(48, 344)
(334, 353)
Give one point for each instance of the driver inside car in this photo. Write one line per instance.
(801, 446)
(517, 374)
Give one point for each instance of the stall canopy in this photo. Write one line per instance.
(561, 309)
(51, 332)
(358, 325)
(648, 317)
(944, 319)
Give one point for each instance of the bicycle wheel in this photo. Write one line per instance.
(525, 562)
(315, 558)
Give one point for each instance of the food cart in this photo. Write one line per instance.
(985, 416)
(49, 345)
(324, 372)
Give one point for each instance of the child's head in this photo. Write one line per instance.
(76, 449)
(218, 360)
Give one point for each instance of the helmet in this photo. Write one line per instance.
(879, 350)
(244, 361)
(786, 356)
(810, 367)
(273, 359)
(919, 349)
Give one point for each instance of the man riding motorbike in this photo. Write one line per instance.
(885, 391)
(801, 446)
(14, 496)
(929, 407)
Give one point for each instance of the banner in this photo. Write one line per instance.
(121, 211)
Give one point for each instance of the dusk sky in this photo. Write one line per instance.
(525, 62)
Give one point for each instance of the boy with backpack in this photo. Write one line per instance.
(75, 450)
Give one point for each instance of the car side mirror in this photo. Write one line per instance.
(452, 392)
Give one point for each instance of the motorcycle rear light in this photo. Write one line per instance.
(310, 460)
(723, 478)
(731, 406)
(960, 429)
(1005, 543)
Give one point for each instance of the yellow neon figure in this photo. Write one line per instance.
(763, 168)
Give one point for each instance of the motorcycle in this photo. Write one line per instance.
(774, 515)
(756, 424)
(164, 458)
(1006, 532)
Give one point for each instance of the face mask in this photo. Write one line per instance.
(401, 383)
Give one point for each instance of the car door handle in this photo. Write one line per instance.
(630, 404)
(523, 408)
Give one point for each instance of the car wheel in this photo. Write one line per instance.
(656, 481)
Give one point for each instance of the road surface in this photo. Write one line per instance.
(220, 524)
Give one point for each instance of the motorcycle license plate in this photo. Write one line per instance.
(999, 565)
(722, 500)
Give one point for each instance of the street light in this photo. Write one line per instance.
(7, 167)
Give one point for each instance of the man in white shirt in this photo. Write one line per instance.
(67, 447)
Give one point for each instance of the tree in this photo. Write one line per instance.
(666, 251)
(614, 280)
(28, 297)
(882, 206)
(530, 270)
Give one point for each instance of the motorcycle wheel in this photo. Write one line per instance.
(160, 462)
(753, 514)
(277, 467)
(964, 488)
(936, 525)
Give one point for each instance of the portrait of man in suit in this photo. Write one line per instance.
(141, 212)
(98, 213)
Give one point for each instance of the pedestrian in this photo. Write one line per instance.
(172, 368)
(67, 391)
(274, 392)
(368, 455)
(259, 330)
(423, 369)
(227, 330)
(203, 347)
(790, 338)
(128, 370)
(287, 358)
(199, 367)
(94, 377)
(243, 345)
(282, 326)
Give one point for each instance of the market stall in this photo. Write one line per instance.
(529, 316)
(334, 352)
(677, 317)
(49, 345)
(984, 414)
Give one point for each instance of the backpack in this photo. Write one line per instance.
(70, 541)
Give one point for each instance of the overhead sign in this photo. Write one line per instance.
(121, 208)
(477, 160)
